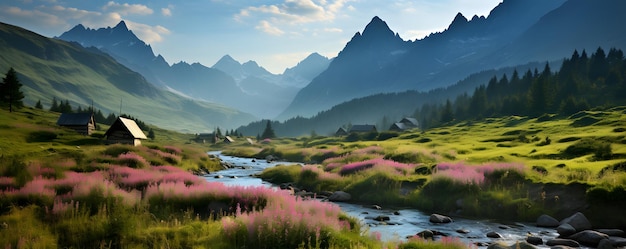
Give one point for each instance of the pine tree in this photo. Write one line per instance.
(54, 107)
(10, 90)
(38, 105)
(151, 134)
(447, 115)
(268, 132)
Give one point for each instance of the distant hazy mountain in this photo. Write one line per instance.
(302, 74)
(51, 68)
(220, 84)
(379, 61)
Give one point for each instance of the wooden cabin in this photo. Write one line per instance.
(363, 128)
(410, 123)
(124, 131)
(398, 127)
(83, 123)
(341, 132)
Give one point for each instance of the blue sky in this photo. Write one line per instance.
(275, 33)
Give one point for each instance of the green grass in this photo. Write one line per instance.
(585, 149)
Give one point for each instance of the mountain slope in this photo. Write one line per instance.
(53, 68)
(577, 24)
(219, 84)
(378, 61)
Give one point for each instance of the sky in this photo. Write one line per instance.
(277, 34)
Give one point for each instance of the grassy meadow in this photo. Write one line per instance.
(512, 168)
(59, 189)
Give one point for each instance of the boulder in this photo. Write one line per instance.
(565, 230)
(612, 232)
(605, 244)
(497, 246)
(494, 235)
(426, 234)
(376, 207)
(547, 221)
(437, 218)
(589, 237)
(618, 242)
(562, 242)
(578, 221)
(561, 247)
(396, 213)
(522, 245)
(382, 218)
(339, 196)
(462, 231)
(534, 240)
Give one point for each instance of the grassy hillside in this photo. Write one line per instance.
(512, 168)
(51, 68)
(60, 189)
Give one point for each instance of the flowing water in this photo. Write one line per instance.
(402, 222)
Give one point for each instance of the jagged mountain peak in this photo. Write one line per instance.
(121, 26)
(250, 63)
(377, 27)
(459, 21)
(226, 60)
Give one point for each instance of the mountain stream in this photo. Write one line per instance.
(402, 222)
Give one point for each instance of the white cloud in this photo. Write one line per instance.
(291, 12)
(166, 12)
(333, 30)
(266, 27)
(31, 18)
(147, 33)
(127, 9)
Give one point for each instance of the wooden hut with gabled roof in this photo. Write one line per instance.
(124, 131)
(83, 123)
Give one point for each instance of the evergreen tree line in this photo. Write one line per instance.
(232, 133)
(581, 83)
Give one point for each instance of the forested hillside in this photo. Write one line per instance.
(582, 81)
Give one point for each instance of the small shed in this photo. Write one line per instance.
(363, 128)
(397, 127)
(341, 132)
(410, 123)
(205, 138)
(124, 131)
(83, 123)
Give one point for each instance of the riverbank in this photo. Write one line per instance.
(397, 223)
(511, 168)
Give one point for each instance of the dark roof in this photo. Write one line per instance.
(70, 119)
(410, 121)
(362, 128)
(341, 130)
(398, 126)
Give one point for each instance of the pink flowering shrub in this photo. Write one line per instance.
(352, 168)
(474, 174)
(7, 182)
(132, 160)
(169, 157)
(378, 164)
(173, 150)
(286, 222)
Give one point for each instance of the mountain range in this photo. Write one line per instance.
(247, 87)
(375, 65)
(51, 68)
(515, 32)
